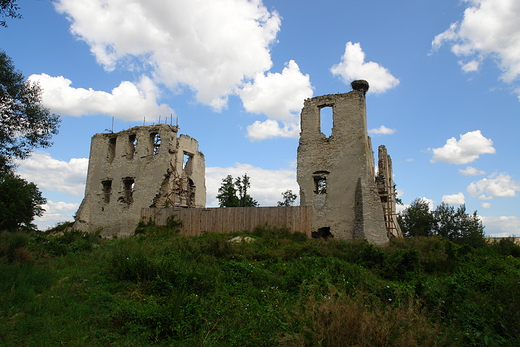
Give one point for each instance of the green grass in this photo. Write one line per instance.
(160, 288)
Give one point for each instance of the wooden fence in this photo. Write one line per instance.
(196, 221)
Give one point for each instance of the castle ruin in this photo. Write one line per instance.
(336, 173)
(145, 166)
(150, 172)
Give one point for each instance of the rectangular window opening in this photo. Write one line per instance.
(326, 120)
(187, 163)
(320, 185)
(128, 190)
(156, 143)
(107, 190)
(111, 149)
(132, 146)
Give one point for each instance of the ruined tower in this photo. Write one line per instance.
(336, 173)
(145, 166)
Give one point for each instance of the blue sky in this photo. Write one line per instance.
(444, 96)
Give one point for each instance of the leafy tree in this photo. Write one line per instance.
(8, 8)
(20, 202)
(24, 122)
(417, 220)
(457, 225)
(234, 193)
(444, 221)
(288, 198)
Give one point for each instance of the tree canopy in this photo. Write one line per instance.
(288, 198)
(445, 221)
(8, 8)
(24, 122)
(233, 193)
(20, 202)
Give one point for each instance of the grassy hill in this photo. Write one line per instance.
(159, 288)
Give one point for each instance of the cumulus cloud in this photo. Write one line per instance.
(353, 67)
(56, 212)
(454, 199)
(469, 148)
(267, 186)
(497, 185)
(128, 101)
(486, 205)
(209, 46)
(471, 171)
(382, 130)
(52, 174)
(489, 28)
(280, 97)
(501, 226)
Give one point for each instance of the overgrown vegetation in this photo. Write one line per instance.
(161, 288)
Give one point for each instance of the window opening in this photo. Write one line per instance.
(128, 189)
(156, 142)
(111, 149)
(326, 120)
(320, 185)
(107, 190)
(132, 146)
(320, 182)
(187, 163)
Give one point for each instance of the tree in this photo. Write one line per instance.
(444, 221)
(8, 8)
(24, 122)
(20, 202)
(417, 220)
(288, 198)
(457, 225)
(234, 193)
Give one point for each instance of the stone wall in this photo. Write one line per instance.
(336, 173)
(145, 166)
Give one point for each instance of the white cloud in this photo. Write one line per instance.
(490, 28)
(56, 212)
(454, 199)
(52, 174)
(471, 171)
(353, 67)
(267, 186)
(280, 97)
(470, 66)
(382, 130)
(501, 226)
(486, 205)
(485, 197)
(208, 46)
(128, 101)
(271, 128)
(469, 148)
(496, 185)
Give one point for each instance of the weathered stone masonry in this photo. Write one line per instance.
(146, 166)
(152, 167)
(336, 173)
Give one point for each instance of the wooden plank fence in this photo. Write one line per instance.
(197, 221)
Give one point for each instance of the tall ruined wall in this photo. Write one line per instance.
(336, 173)
(146, 166)
(387, 193)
